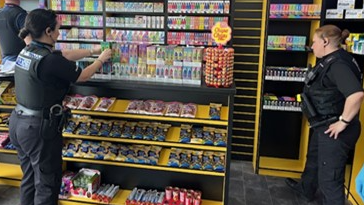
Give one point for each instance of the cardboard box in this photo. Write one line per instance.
(85, 183)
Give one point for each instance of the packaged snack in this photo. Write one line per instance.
(189, 110)
(207, 161)
(71, 125)
(162, 131)
(128, 130)
(215, 111)
(220, 137)
(83, 128)
(66, 184)
(135, 106)
(104, 104)
(94, 128)
(116, 128)
(153, 154)
(185, 133)
(174, 158)
(196, 160)
(150, 131)
(197, 135)
(123, 150)
(185, 158)
(74, 102)
(208, 135)
(88, 102)
(139, 130)
(158, 108)
(174, 109)
(219, 162)
(105, 128)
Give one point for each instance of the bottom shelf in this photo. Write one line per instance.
(119, 199)
(11, 174)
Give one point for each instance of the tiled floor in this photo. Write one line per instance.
(246, 188)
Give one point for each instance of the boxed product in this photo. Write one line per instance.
(346, 4)
(354, 13)
(7, 93)
(334, 13)
(85, 183)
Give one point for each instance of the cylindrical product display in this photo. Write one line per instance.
(219, 67)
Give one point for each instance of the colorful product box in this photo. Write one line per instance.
(334, 13)
(85, 183)
(346, 4)
(354, 13)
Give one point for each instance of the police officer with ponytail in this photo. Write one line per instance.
(333, 93)
(42, 79)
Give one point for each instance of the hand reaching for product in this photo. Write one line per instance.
(105, 55)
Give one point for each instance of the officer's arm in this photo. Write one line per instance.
(87, 73)
(77, 54)
(352, 105)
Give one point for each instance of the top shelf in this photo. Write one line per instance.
(345, 20)
(293, 19)
(144, 85)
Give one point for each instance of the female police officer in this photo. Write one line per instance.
(42, 78)
(333, 89)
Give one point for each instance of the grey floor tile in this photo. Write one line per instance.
(256, 196)
(254, 180)
(236, 188)
(236, 201)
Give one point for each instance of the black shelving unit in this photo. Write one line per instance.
(283, 135)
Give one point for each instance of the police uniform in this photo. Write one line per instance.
(338, 76)
(12, 18)
(42, 79)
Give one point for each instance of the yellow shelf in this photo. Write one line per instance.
(7, 106)
(162, 164)
(172, 140)
(119, 107)
(8, 151)
(10, 174)
(281, 164)
(119, 199)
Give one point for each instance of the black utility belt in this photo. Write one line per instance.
(21, 110)
(54, 111)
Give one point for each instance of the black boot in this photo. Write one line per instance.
(298, 189)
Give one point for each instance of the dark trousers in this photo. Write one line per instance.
(40, 160)
(326, 161)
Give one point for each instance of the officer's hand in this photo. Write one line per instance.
(336, 128)
(105, 55)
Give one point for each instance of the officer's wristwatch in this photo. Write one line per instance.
(344, 121)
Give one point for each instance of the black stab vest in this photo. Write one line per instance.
(30, 91)
(11, 44)
(328, 101)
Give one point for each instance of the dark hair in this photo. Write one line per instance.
(36, 23)
(333, 33)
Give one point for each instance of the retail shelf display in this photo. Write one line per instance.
(89, 24)
(290, 28)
